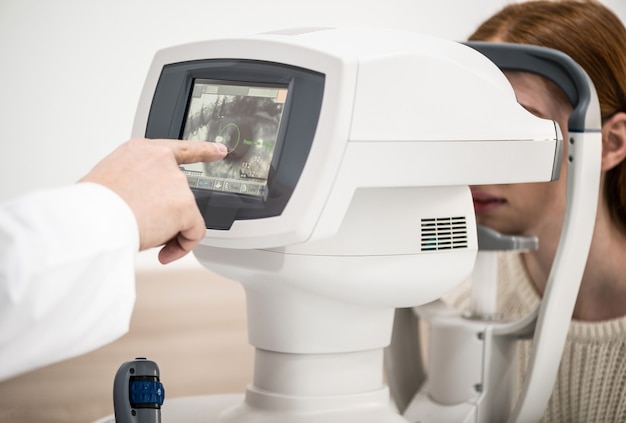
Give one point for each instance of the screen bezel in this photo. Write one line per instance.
(297, 129)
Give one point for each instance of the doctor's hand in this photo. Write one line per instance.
(146, 175)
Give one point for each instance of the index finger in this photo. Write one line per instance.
(197, 151)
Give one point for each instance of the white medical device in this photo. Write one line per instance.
(343, 197)
(472, 375)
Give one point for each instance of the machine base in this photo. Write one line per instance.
(205, 409)
(236, 408)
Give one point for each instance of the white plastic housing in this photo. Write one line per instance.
(381, 216)
(338, 294)
(399, 110)
(407, 123)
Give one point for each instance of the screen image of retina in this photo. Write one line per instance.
(247, 125)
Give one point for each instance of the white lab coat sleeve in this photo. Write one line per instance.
(66, 274)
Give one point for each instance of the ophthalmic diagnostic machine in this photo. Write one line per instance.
(344, 196)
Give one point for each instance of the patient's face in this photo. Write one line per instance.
(533, 208)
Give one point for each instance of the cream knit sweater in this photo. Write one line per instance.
(591, 384)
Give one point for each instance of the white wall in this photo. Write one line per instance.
(71, 70)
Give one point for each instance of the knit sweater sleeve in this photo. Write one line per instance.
(591, 385)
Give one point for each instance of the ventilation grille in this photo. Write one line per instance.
(444, 233)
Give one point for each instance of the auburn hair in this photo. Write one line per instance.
(595, 38)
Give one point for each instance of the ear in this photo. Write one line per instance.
(613, 141)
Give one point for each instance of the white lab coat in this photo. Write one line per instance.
(66, 274)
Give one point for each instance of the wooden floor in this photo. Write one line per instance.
(191, 322)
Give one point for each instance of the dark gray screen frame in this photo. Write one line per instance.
(300, 117)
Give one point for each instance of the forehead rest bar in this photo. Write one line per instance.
(552, 64)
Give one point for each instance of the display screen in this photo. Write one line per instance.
(245, 118)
